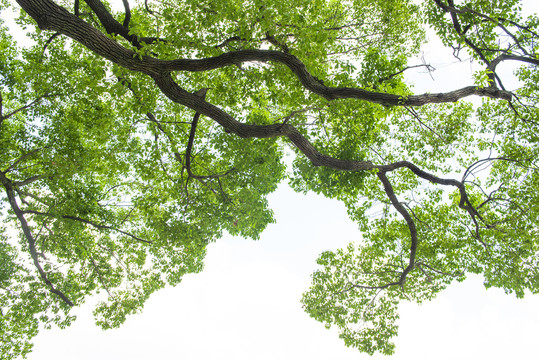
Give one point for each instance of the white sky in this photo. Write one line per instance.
(245, 304)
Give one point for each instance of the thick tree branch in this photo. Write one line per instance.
(409, 221)
(53, 17)
(58, 19)
(314, 85)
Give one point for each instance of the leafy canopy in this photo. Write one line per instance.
(133, 138)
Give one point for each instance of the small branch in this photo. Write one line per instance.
(416, 116)
(337, 28)
(272, 40)
(24, 107)
(22, 158)
(53, 36)
(28, 181)
(381, 287)
(429, 278)
(85, 221)
(295, 112)
(228, 41)
(30, 238)
(420, 263)
(201, 93)
(148, 8)
(357, 286)
(1, 108)
(430, 68)
(101, 279)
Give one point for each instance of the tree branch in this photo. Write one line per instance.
(406, 215)
(47, 43)
(127, 17)
(112, 26)
(1, 109)
(22, 158)
(30, 238)
(5, 117)
(85, 221)
(28, 181)
(430, 68)
(51, 16)
(314, 85)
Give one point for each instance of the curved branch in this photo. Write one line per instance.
(388, 188)
(30, 238)
(53, 17)
(464, 200)
(127, 18)
(503, 57)
(148, 8)
(175, 93)
(314, 85)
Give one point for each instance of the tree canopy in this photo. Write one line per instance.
(132, 139)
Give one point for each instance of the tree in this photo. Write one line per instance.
(133, 139)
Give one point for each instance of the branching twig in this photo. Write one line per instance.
(30, 104)
(86, 221)
(22, 158)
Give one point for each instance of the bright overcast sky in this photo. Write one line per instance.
(245, 304)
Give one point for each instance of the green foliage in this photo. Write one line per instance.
(111, 186)
(109, 204)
